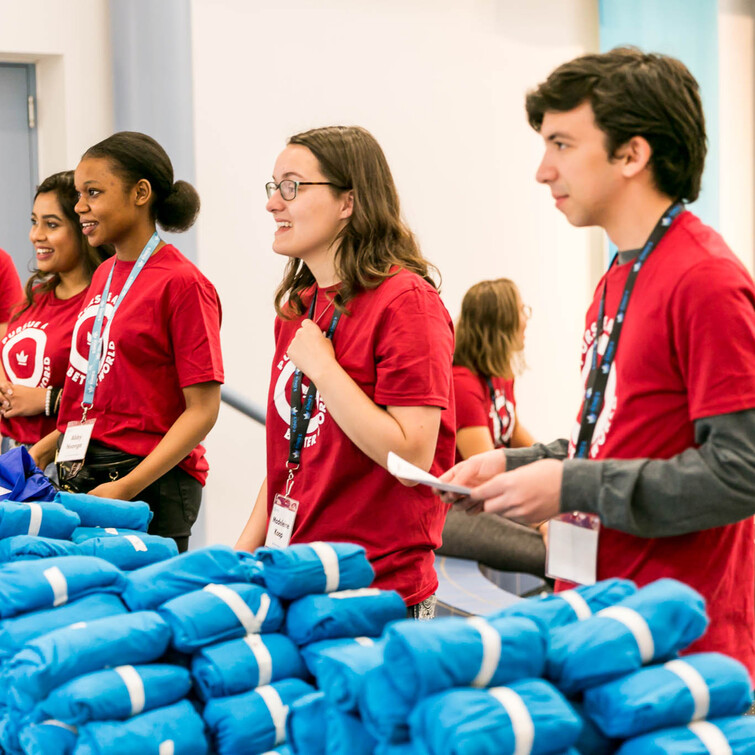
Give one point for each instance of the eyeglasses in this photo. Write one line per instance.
(289, 188)
(526, 310)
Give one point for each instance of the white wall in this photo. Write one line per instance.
(70, 43)
(441, 85)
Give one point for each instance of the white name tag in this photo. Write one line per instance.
(572, 553)
(76, 441)
(281, 524)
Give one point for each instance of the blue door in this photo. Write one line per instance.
(18, 168)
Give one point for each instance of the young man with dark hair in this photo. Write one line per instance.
(663, 450)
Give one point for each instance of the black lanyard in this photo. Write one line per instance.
(497, 421)
(595, 391)
(300, 417)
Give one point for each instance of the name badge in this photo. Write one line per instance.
(76, 441)
(282, 520)
(572, 553)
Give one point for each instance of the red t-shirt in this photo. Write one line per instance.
(687, 351)
(474, 407)
(35, 354)
(397, 345)
(11, 293)
(165, 336)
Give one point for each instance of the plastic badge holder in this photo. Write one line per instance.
(572, 553)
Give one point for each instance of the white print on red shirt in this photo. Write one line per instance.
(603, 424)
(282, 405)
(505, 411)
(24, 357)
(82, 337)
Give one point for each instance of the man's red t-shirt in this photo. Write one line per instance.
(165, 336)
(397, 345)
(687, 351)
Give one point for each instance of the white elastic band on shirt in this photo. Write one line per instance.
(711, 736)
(578, 604)
(168, 747)
(58, 583)
(637, 625)
(329, 559)
(134, 685)
(111, 530)
(137, 542)
(278, 711)
(35, 518)
(247, 618)
(263, 658)
(696, 684)
(521, 720)
(362, 592)
(491, 651)
(61, 724)
(367, 642)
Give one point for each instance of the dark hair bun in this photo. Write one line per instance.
(178, 211)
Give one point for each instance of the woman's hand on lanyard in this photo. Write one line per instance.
(311, 351)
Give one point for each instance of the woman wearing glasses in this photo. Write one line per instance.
(488, 354)
(362, 366)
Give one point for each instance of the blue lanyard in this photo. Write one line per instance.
(597, 380)
(95, 345)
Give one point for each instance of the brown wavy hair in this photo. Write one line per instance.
(375, 239)
(487, 330)
(62, 186)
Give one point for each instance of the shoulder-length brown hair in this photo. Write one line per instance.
(487, 332)
(375, 239)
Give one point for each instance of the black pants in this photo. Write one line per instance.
(173, 498)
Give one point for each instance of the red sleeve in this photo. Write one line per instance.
(414, 351)
(195, 332)
(11, 292)
(713, 309)
(472, 401)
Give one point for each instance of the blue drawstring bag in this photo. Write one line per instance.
(80, 534)
(236, 666)
(254, 721)
(48, 738)
(705, 685)
(30, 547)
(650, 626)
(345, 734)
(457, 652)
(305, 731)
(732, 736)
(303, 569)
(174, 729)
(16, 632)
(114, 694)
(129, 552)
(43, 518)
(350, 613)
(220, 612)
(44, 583)
(340, 665)
(384, 712)
(106, 512)
(151, 586)
(21, 479)
(527, 716)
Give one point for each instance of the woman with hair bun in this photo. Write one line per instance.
(362, 366)
(145, 363)
(36, 346)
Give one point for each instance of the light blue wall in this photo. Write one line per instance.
(688, 30)
(152, 74)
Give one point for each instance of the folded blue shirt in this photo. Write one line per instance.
(459, 652)
(44, 583)
(350, 613)
(345, 734)
(151, 586)
(85, 533)
(16, 632)
(22, 479)
(30, 547)
(384, 712)
(527, 716)
(129, 552)
(729, 736)
(37, 518)
(318, 567)
(229, 668)
(650, 626)
(220, 612)
(705, 685)
(114, 694)
(340, 665)
(176, 729)
(305, 731)
(58, 656)
(48, 738)
(106, 512)
(255, 721)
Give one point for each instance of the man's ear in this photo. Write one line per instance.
(142, 192)
(634, 155)
(347, 207)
